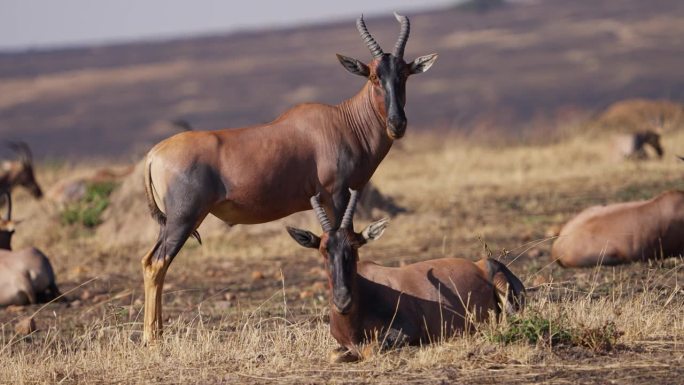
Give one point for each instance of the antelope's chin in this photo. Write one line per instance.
(395, 135)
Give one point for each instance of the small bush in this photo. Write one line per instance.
(88, 210)
(535, 329)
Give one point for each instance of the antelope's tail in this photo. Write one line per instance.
(155, 211)
(510, 291)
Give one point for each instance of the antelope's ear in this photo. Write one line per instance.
(304, 238)
(422, 63)
(375, 230)
(354, 66)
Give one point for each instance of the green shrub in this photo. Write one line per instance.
(87, 210)
(535, 329)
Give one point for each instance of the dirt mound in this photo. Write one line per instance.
(632, 115)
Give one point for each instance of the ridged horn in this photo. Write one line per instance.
(367, 38)
(320, 214)
(349, 212)
(403, 35)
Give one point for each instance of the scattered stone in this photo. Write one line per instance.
(553, 231)
(223, 305)
(257, 275)
(85, 295)
(540, 280)
(75, 303)
(318, 286)
(317, 272)
(229, 296)
(100, 298)
(535, 253)
(25, 326)
(14, 308)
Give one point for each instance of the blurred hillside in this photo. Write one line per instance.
(516, 71)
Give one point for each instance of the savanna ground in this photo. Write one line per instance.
(249, 306)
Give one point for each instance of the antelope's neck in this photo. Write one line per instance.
(367, 124)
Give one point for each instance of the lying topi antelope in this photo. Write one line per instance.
(414, 304)
(262, 173)
(26, 276)
(623, 233)
(19, 172)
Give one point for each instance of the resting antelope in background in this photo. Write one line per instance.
(415, 304)
(261, 173)
(19, 172)
(26, 276)
(623, 233)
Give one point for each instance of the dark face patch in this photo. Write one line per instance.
(341, 255)
(390, 74)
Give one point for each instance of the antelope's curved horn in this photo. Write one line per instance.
(367, 38)
(349, 212)
(22, 149)
(8, 215)
(403, 35)
(320, 214)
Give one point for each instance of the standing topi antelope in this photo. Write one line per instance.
(261, 173)
(26, 276)
(623, 233)
(414, 304)
(19, 172)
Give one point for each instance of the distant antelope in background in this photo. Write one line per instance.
(261, 173)
(623, 233)
(19, 172)
(633, 146)
(414, 304)
(26, 276)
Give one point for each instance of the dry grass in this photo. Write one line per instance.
(227, 324)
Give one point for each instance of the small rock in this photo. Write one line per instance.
(14, 308)
(317, 272)
(535, 253)
(223, 305)
(553, 231)
(305, 294)
(75, 303)
(25, 327)
(540, 280)
(85, 295)
(318, 286)
(229, 296)
(526, 236)
(257, 275)
(100, 298)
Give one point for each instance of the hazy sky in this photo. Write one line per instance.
(31, 23)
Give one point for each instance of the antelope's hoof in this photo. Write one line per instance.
(339, 356)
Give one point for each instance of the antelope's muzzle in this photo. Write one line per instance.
(342, 300)
(396, 126)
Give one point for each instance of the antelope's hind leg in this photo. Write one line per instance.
(155, 264)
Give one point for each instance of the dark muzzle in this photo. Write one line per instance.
(396, 127)
(342, 300)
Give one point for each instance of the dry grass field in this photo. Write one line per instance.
(249, 306)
